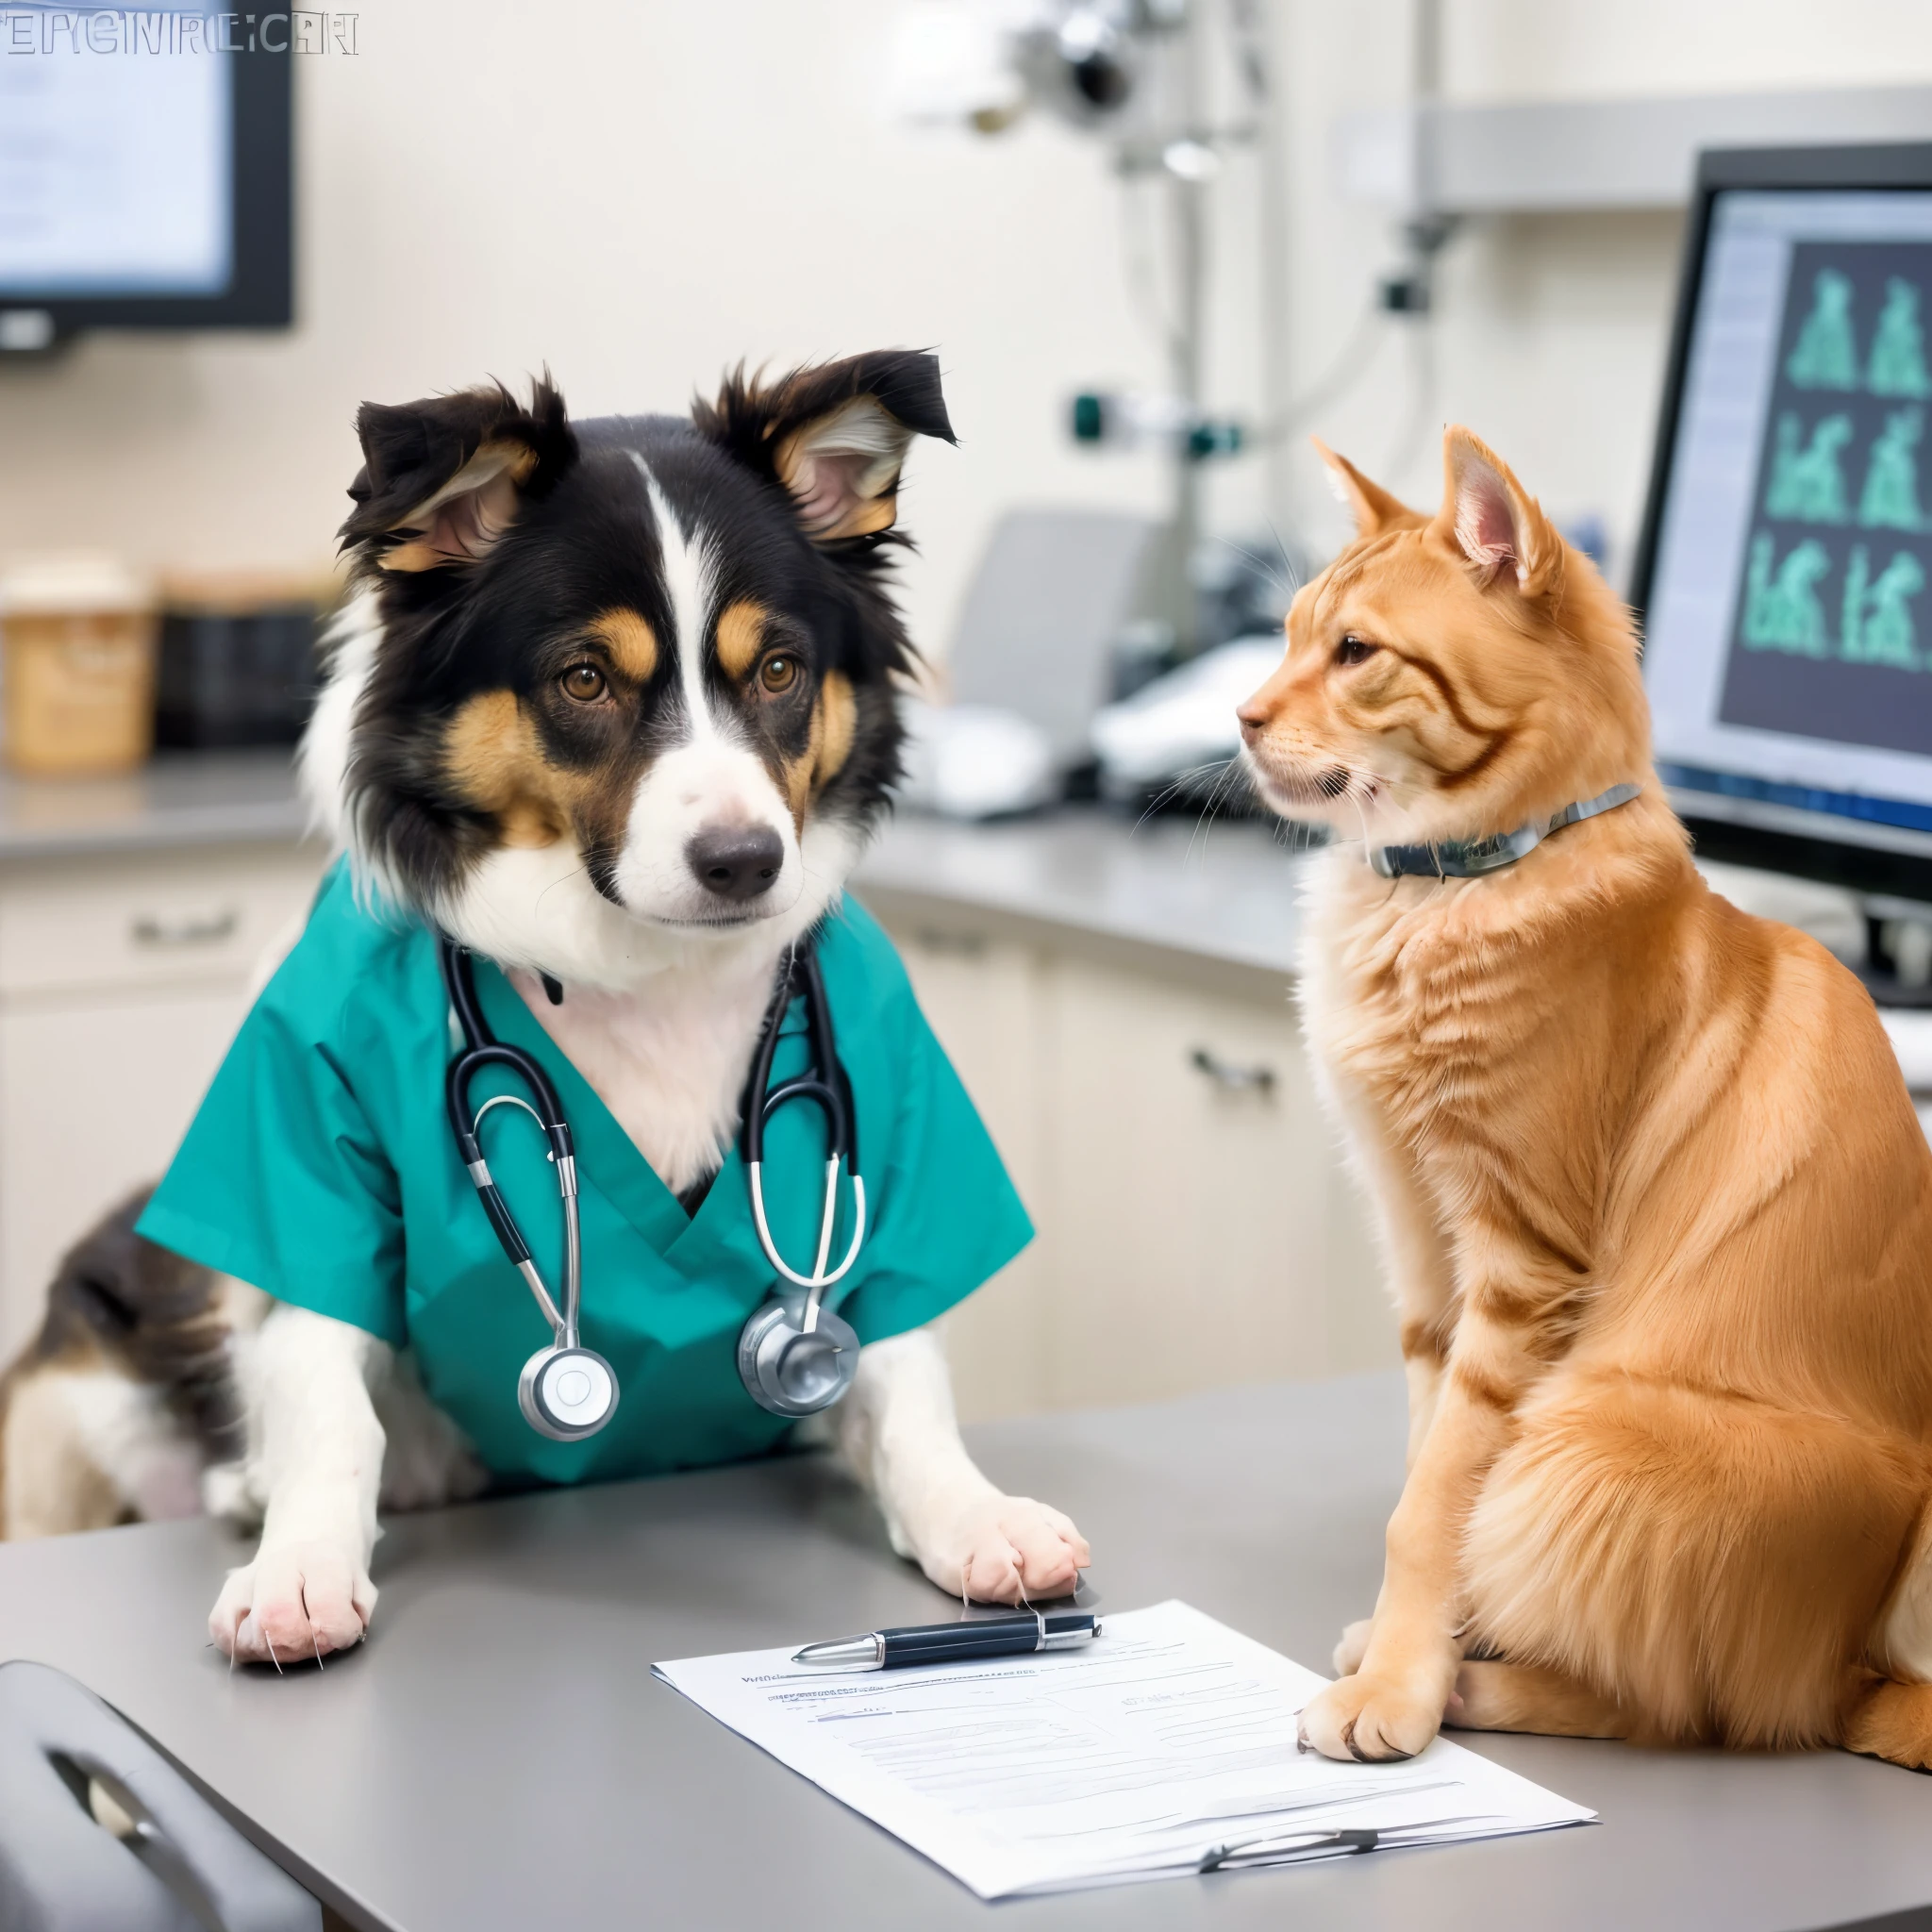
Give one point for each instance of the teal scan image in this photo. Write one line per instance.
(1833, 636)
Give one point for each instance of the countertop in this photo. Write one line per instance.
(1222, 894)
(177, 803)
(499, 1754)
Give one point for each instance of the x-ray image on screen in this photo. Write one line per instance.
(1832, 637)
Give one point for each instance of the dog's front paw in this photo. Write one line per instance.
(1002, 1549)
(294, 1602)
(1370, 1719)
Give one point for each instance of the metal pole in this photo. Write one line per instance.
(1425, 73)
(1274, 207)
(1191, 278)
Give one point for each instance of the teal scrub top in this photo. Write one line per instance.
(321, 1168)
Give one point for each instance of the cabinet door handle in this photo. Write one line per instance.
(1258, 1078)
(958, 945)
(209, 930)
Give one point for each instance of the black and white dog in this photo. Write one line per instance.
(641, 767)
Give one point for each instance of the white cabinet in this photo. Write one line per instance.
(982, 998)
(1196, 1226)
(122, 981)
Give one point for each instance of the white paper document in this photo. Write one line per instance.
(1165, 1746)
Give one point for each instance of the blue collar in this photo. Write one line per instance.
(1469, 859)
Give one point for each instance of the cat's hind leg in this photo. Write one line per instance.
(1893, 1722)
(1492, 1696)
(1889, 1711)
(1716, 1564)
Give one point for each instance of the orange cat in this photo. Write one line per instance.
(1657, 1208)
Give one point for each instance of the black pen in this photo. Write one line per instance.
(950, 1643)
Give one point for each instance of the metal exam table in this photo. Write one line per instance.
(505, 1708)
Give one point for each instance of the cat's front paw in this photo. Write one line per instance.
(1005, 1549)
(1371, 1719)
(293, 1605)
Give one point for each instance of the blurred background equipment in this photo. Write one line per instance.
(1056, 593)
(1176, 90)
(1175, 736)
(238, 658)
(145, 173)
(1135, 74)
(1053, 637)
(77, 647)
(976, 762)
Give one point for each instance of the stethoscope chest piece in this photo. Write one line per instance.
(788, 1369)
(567, 1393)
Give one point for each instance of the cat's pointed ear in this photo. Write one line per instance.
(1374, 509)
(833, 436)
(443, 480)
(1491, 522)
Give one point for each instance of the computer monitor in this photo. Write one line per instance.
(144, 174)
(1784, 574)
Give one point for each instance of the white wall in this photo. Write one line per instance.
(639, 192)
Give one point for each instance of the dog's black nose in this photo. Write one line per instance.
(736, 861)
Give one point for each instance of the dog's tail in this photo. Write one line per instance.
(127, 1392)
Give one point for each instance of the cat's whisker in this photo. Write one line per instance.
(1204, 819)
(1288, 563)
(1175, 786)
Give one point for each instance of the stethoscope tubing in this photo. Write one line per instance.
(481, 1050)
(825, 1085)
(818, 1280)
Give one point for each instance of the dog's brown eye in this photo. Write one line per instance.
(779, 672)
(583, 682)
(1353, 650)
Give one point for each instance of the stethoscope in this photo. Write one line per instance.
(795, 1355)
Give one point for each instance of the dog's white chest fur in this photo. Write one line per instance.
(668, 1058)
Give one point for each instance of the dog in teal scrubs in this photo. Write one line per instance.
(612, 706)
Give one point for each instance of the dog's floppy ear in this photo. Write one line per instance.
(443, 479)
(1374, 509)
(1492, 521)
(833, 435)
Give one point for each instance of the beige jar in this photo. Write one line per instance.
(78, 651)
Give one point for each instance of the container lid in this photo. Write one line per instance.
(245, 593)
(77, 583)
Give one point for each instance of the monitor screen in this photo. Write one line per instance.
(115, 175)
(145, 174)
(1788, 596)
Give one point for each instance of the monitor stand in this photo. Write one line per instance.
(1898, 954)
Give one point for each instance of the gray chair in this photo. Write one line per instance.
(100, 1833)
